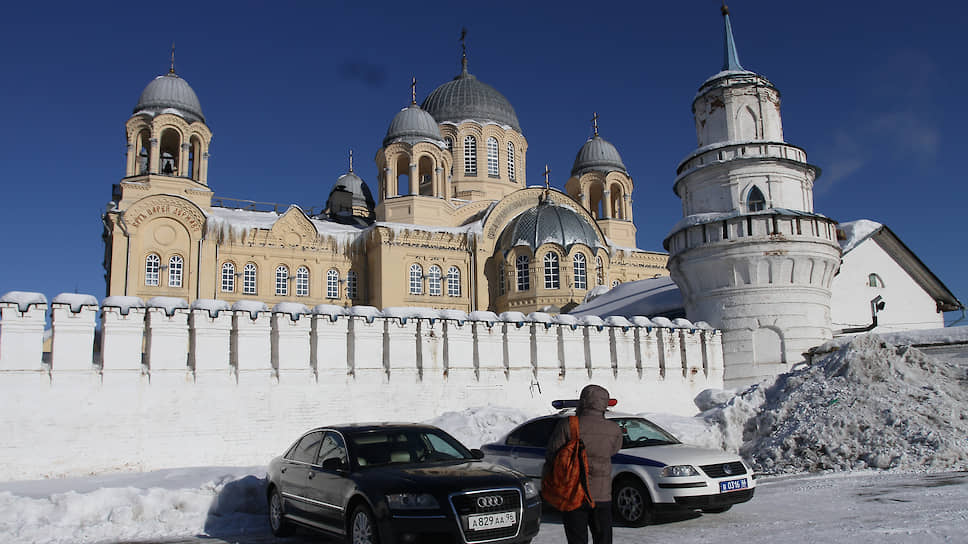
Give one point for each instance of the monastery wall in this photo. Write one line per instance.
(177, 386)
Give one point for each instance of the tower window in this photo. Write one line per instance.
(581, 278)
(332, 283)
(433, 281)
(453, 282)
(152, 265)
(599, 271)
(282, 281)
(249, 279)
(501, 287)
(416, 279)
(470, 156)
(175, 271)
(756, 202)
(522, 266)
(352, 285)
(873, 280)
(511, 161)
(302, 282)
(492, 170)
(552, 278)
(228, 277)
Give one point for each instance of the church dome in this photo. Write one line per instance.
(597, 154)
(412, 125)
(467, 98)
(169, 93)
(352, 183)
(549, 223)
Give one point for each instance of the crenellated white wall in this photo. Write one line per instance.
(176, 386)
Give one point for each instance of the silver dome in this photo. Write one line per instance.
(465, 97)
(549, 223)
(170, 94)
(354, 184)
(598, 154)
(413, 125)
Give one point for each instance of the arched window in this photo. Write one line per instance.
(433, 281)
(228, 278)
(599, 271)
(352, 285)
(416, 279)
(175, 265)
(332, 283)
(302, 282)
(756, 202)
(449, 142)
(152, 265)
(249, 279)
(551, 275)
(873, 280)
(143, 146)
(492, 170)
(581, 277)
(282, 281)
(501, 287)
(521, 266)
(169, 152)
(511, 161)
(470, 156)
(453, 282)
(194, 152)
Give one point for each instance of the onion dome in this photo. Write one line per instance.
(354, 184)
(169, 93)
(598, 154)
(466, 98)
(549, 223)
(413, 125)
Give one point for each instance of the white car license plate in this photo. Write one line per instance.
(733, 485)
(483, 522)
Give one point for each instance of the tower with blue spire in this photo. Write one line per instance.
(751, 256)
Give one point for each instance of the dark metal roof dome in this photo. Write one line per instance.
(354, 184)
(598, 154)
(467, 98)
(169, 93)
(549, 223)
(412, 125)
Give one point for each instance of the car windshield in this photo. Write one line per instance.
(382, 447)
(638, 432)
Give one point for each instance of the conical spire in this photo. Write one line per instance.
(730, 56)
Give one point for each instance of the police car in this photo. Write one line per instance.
(652, 471)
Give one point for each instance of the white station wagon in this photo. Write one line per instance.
(652, 471)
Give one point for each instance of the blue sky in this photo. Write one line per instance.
(873, 91)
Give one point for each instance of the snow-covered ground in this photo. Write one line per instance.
(867, 444)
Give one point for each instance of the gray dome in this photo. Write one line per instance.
(549, 223)
(170, 94)
(354, 184)
(465, 97)
(597, 154)
(413, 125)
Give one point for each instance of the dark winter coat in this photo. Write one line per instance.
(602, 439)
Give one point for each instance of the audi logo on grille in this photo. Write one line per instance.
(727, 469)
(490, 501)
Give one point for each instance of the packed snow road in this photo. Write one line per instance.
(860, 508)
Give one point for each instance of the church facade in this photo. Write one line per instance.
(453, 224)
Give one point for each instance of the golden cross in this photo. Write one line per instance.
(725, 8)
(463, 41)
(413, 90)
(595, 122)
(547, 172)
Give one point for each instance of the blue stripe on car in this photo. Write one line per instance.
(625, 459)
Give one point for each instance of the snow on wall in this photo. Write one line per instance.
(206, 385)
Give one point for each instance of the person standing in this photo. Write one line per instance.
(602, 439)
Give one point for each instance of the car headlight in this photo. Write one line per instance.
(678, 471)
(530, 490)
(411, 501)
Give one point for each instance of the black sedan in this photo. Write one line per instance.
(407, 483)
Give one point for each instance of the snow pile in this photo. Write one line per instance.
(477, 426)
(869, 404)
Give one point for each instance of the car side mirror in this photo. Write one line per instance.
(333, 463)
(478, 454)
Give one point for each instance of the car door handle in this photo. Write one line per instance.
(311, 475)
(282, 470)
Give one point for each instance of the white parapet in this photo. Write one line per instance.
(328, 341)
(22, 320)
(210, 341)
(693, 367)
(290, 343)
(712, 341)
(599, 352)
(166, 343)
(366, 348)
(647, 352)
(72, 319)
(122, 337)
(670, 355)
(430, 349)
(622, 341)
(402, 345)
(517, 350)
(251, 352)
(489, 340)
(544, 345)
(459, 350)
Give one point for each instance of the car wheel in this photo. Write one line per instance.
(277, 514)
(717, 509)
(631, 503)
(363, 527)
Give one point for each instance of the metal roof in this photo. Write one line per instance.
(465, 97)
(412, 125)
(549, 223)
(169, 93)
(597, 154)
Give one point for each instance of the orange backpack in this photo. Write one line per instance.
(564, 485)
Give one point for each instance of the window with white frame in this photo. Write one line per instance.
(351, 285)
(416, 279)
(599, 271)
(453, 282)
(302, 282)
(433, 281)
(522, 265)
(552, 278)
(492, 170)
(501, 288)
(175, 266)
(873, 280)
(511, 161)
(152, 265)
(249, 273)
(332, 283)
(228, 278)
(470, 156)
(756, 202)
(581, 277)
(282, 281)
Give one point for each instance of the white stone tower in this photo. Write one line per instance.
(750, 255)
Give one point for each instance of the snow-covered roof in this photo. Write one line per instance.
(123, 303)
(251, 306)
(169, 304)
(852, 233)
(649, 297)
(75, 300)
(23, 299)
(212, 305)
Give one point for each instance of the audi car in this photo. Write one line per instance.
(653, 471)
(398, 483)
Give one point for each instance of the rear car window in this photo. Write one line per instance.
(535, 434)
